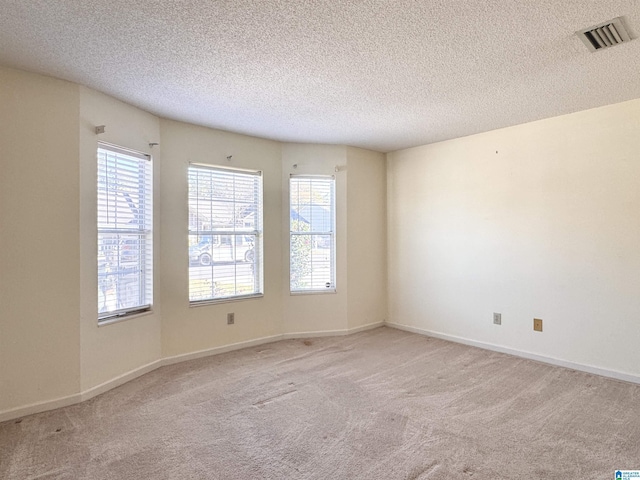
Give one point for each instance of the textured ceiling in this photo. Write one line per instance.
(377, 74)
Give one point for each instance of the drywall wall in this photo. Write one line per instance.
(188, 329)
(112, 350)
(52, 351)
(537, 220)
(316, 312)
(367, 234)
(39, 240)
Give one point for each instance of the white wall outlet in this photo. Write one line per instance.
(231, 318)
(497, 319)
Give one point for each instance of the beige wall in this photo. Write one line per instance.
(360, 297)
(534, 220)
(317, 312)
(367, 230)
(190, 329)
(538, 220)
(52, 351)
(39, 239)
(112, 350)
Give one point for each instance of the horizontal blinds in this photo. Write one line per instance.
(225, 233)
(312, 233)
(124, 220)
(222, 200)
(311, 203)
(124, 191)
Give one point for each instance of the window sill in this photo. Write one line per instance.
(203, 303)
(314, 292)
(123, 318)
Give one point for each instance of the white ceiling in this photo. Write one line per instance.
(377, 74)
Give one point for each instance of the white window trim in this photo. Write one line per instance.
(334, 288)
(119, 315)
(258, 232)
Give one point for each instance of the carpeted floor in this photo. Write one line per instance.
(382, 404)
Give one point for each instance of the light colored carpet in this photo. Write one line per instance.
(382, 404)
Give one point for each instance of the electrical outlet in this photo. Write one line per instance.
(537, 324)
(497, 318)
(231, 318)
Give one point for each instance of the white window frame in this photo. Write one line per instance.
(237, 232)
(330, 286)
(122, 270)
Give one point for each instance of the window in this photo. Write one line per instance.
(312, 234)
(225, 233)
(125, 249)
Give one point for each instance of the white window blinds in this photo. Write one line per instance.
(312, 233)
(125, 245)
(225, 233)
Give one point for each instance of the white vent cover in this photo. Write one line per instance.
(607, 34)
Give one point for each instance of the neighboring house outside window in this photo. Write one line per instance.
(312, 234)
(225, 233)
(125, 243)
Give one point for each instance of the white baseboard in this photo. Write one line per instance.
(364, 328)
(218, 350)
(46, 405)
(332, 333)
(627, 377)
(39, 407)
(119, 380)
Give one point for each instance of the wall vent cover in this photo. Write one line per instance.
(604, 35)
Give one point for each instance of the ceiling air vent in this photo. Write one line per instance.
(605, 35)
